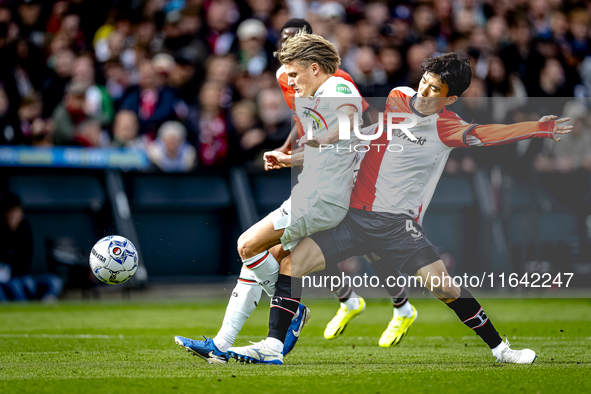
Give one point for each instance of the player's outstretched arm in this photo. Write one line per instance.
(452, 134)
(557, 129)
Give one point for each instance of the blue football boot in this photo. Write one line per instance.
(297, 323)
(207, 350)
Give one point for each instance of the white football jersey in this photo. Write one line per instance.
(328, 173)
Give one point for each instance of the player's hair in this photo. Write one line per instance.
(300, 24)
(452, 69)
(310, 48)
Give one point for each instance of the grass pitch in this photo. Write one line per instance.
(128, 348)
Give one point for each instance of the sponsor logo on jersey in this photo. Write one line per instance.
(400, 134)
(342, 88)
(234, 294)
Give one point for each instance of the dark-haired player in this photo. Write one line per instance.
(391, 195)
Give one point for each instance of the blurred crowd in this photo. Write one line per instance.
(193, 82)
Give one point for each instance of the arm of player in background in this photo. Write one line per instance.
(275, 160)
(333, 132)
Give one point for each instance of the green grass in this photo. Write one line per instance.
(129, 348)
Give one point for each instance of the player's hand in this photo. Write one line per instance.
(275, 160)
(557, 128)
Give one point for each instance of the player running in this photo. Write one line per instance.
(391, 195)
(320, 200)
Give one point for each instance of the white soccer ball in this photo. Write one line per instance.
(113, 259)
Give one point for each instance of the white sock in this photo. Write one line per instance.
(274, 343)
(497, 350)
(265, 269)
(352, 302)
(221, 343)
(404, 310)
(245, 298)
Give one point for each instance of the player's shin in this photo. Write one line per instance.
(344, 293)
(284, 305)
(243, 301)
(399, 298)
(265, 269)
(472, 315)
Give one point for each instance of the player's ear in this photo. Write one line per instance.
(315, 68)
(450, 100)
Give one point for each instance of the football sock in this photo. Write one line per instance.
(472, 315)
(398, 295)
(284, 305)
(274, 344)
(343, 293)
(265, 269)
(352, 302)
(401, 305)
(404, 310)
(399, 298)
(243, 301)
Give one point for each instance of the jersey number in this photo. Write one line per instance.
(411, 227)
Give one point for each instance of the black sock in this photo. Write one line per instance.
(284, 305)
(471, 314)
(343, 293)
(399, 299)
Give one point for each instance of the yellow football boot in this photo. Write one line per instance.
(397, 329)
(337, 325)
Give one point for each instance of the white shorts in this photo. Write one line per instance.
(304, 219)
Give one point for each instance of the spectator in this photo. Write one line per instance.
(153, 103)
(9, 130)
(187, 76)
(62, 64)
(572, 153)
(88, 134)
(368, 73)
(126, 131)
(551, 81)
(254, 52)
(274, 117)
(219, 17)
(507, 91)
(70, 114)
(30, 23)
(117, 79)
(98, 101)
(209, 126)
(170, 152)
(16, 257)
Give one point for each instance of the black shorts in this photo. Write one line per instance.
(396, 238)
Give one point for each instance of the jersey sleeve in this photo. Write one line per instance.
(345, 75)
(457, 133)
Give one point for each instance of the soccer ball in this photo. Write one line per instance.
(113, 260)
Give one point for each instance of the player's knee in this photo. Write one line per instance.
(246, 246)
